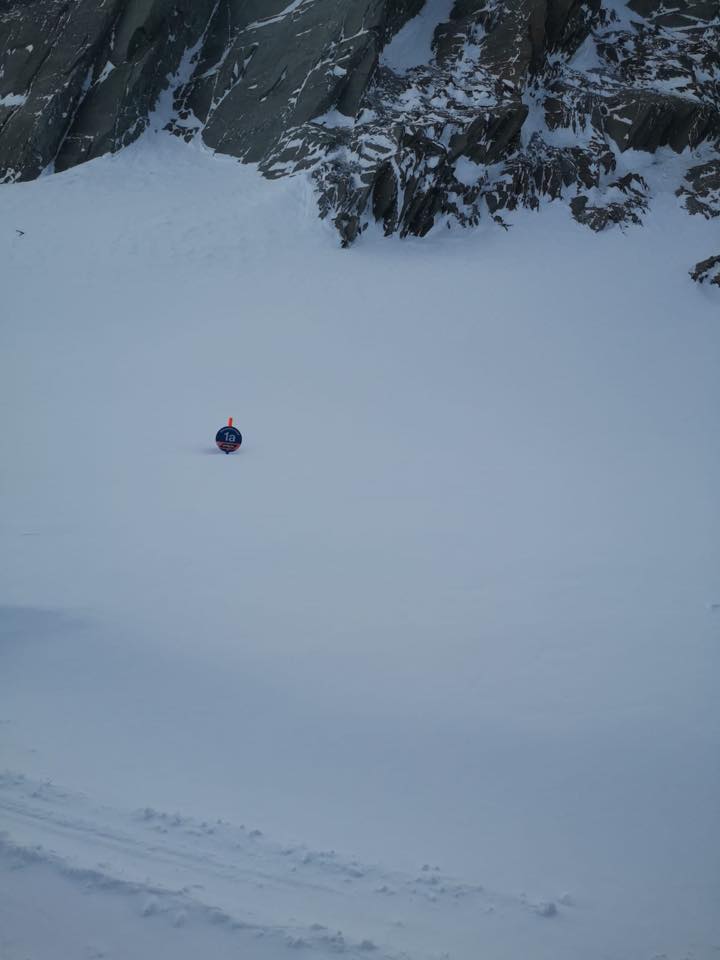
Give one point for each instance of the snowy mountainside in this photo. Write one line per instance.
(411, 114)
(451, 612)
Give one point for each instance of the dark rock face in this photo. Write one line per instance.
(707, 270)
(700, 193)
(78, 79)
(624, 201)
(277, 70)
(503, 103)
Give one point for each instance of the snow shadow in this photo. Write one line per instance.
(34, 623)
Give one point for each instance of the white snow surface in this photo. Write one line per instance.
(412, 44)
(429, 668)
(13, 100)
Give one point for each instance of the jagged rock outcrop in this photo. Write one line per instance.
(700, 191)
(707, 270)
(624, 200)
(502, 103)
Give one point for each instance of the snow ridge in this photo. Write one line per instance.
(234, 876)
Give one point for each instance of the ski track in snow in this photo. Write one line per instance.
(236, 877)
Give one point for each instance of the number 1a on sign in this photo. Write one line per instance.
(229, 438)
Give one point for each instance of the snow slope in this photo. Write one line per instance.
(443, 631)
(412, 44)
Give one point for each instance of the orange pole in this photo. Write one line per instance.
(229, 421)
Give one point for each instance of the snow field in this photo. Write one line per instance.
(450, 605)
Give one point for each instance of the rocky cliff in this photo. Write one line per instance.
(407, 112)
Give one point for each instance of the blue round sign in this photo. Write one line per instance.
(228, 439)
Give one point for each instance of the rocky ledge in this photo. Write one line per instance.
(707, 270)
(411, 113)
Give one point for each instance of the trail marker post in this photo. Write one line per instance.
(228, 438)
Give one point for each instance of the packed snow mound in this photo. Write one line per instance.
(406, 113)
